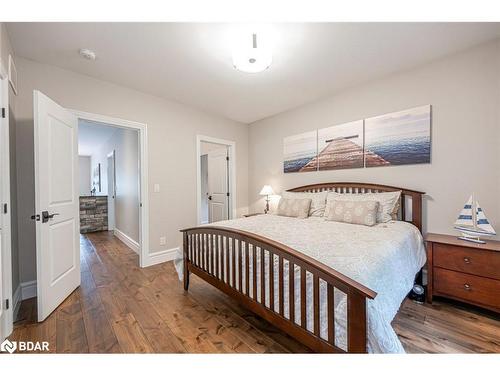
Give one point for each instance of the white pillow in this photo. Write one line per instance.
(318, 200)
(387, 202)
(294, 207)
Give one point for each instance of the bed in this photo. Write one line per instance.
(335, 287)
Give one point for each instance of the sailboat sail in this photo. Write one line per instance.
(482, 222)
(473, 220)
(465, 217)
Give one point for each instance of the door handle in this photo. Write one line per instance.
(46, 216)
(209, 197)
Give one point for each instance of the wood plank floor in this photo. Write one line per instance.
(121, 308)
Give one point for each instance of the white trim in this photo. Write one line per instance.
(162, 256)
(16, 301)
(6, 321)
(144, 179)
(28, 290)
(232, 173)
(112, 200)
(126, 240)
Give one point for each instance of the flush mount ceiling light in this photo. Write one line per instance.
(252, 54)
(87, 54)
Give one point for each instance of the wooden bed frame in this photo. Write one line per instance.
(216, 255)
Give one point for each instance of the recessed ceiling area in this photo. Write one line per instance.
(192, 62)
(92, 136)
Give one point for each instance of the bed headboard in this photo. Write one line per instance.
(412, 197)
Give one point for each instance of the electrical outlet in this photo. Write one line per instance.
(163, 240)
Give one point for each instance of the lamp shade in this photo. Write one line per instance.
(267, 190)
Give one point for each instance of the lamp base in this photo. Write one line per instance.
(267, 205)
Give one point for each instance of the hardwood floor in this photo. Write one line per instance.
(120, 307)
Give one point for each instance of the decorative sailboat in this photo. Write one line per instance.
(472, 222)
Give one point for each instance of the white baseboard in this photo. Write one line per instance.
(126, 240)
(160, 257)
(28, 289)
(16, 302)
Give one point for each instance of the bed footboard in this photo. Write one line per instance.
(249, 268)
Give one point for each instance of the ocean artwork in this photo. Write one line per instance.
(341, 146)
(300, 152)
(399, 138)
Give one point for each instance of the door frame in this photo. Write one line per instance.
(232, 173)
(145, 257)
(5, 246)
(112, 155)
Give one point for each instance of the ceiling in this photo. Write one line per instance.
(191, 62)
(92, 136)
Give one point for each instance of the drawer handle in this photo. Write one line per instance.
(467, 287)
(467, 260)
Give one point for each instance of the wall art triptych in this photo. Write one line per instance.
(397, 138)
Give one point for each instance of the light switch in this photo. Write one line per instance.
(156, 188)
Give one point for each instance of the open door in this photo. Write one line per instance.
(218, 185)
(56, 203)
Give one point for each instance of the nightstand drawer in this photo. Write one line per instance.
(469, 288)
(477, 262)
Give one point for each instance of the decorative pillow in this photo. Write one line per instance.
(397, 206)
(318, 201)
(387, 202)
(294, 207)
(354, 212)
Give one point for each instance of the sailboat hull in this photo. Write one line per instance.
(472, 239)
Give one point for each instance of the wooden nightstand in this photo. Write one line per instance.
(254, 214)
(463, 271)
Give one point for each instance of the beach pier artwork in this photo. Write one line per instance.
(341, 146)
(300, 152)
(399, 138)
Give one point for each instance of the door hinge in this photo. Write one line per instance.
(7, 304)
(4, 209)
(227, 158)
(3, 112)
(227, 194)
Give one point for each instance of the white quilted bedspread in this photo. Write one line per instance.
(385, 258)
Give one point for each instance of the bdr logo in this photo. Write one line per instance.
(24, 346)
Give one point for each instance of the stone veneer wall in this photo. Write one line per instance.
(93, 214)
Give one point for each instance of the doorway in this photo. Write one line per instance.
(215, 180)
(109, 181)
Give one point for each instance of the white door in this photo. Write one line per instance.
(111, 191)
(218, 187)
(56, 203)
(5, 256)
(2, 312)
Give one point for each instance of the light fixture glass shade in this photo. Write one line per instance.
(267, 190)
(252, 54)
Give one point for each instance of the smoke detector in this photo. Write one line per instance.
(87, 54)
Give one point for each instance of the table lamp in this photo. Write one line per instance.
(267, 190)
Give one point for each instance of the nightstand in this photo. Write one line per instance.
(463, 271)
(254, 214)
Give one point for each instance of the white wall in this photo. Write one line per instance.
(464, 91)
(172, 130)
(125, 142)
(84, 174)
